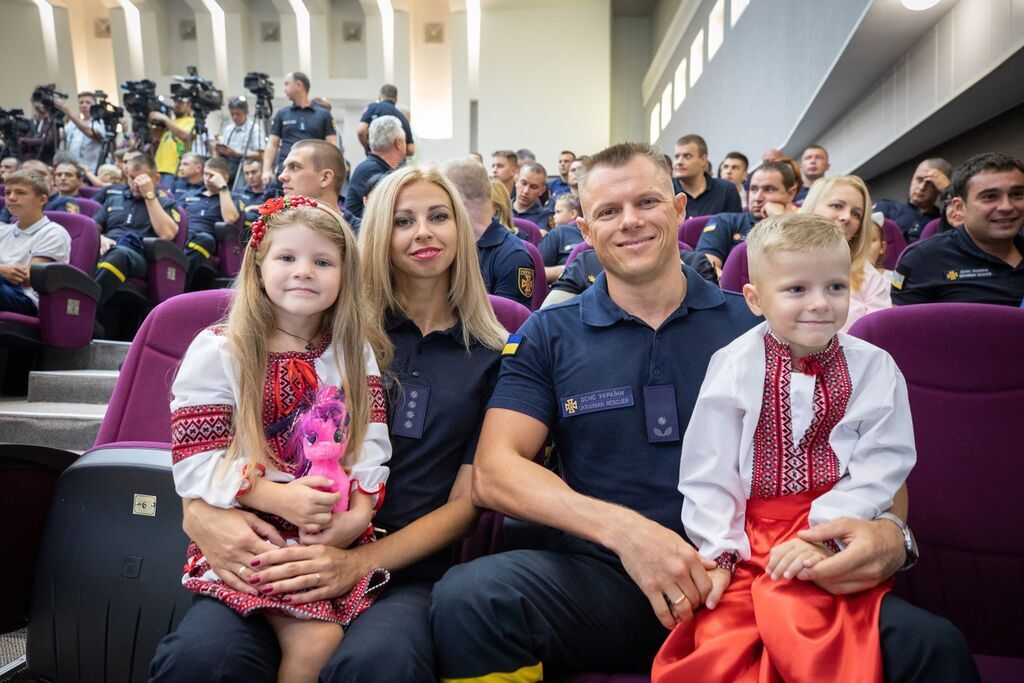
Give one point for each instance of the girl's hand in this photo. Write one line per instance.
(790, 558)
(301, 503)
(309, 572)
(344, 527)
(720, 579)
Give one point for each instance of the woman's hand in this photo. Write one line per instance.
(307, 573)
(299, 501)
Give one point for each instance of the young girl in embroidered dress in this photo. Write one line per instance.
(796, 424)
(295, 324)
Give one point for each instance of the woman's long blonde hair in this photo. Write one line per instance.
(467, 296)
(250, 325)
(502, 202)
(819, 193)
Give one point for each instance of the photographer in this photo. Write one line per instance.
(46, 120)
(176, 139)
(85, 137)
(8, 165)
(301, 121)
(243, 136)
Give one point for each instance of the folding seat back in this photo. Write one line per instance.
(691, 228)
(533, 233)
(895, 244)
(88, 191)
(735, 270)
(581, 247)
(930, 228)
(89, 207)
(540, 282)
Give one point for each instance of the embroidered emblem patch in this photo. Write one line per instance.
(526, 281)
(175, 216)
(594, 401)
(590, 279)
(710, 228)
(512, 345)
(897, 280)
(952, 275)
(72, 208)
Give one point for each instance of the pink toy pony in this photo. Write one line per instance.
(322, 433)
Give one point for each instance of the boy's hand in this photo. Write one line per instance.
(16, 275)
(720, 579)
(305, 506)
(790, 558)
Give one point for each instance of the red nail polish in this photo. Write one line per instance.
(267, 589)
(255, 562)
(254, 580)
(286, 599)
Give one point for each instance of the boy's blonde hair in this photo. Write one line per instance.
(109, 173)
(467, 296)
(250, 325)
(819, 193)
(790, 233)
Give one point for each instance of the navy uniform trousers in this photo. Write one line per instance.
(116, 266)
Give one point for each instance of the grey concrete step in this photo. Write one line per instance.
(71, 386)
(100, 354)
(70, 426)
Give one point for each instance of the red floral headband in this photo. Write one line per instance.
(272, 206)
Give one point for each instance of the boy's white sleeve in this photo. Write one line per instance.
(202, 410)
(714, 496)
(882, 449)
(370, 473)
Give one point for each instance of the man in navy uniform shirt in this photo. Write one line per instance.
(302, 120)
(387, 151)
(772, 188)
(813, 165)
(144, 210)
(504, 166)
(384, 106)
(255, 191)
(705, 196)
(560, 185)
(190, 176)
(316, 169)
(505, 264)
(930, 178)
(981, 262)
(531, 183)
(612, 376)
(213, 204)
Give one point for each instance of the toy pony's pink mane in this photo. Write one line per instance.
(326, 409)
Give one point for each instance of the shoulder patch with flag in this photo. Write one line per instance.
(512, 345)
(897, 279)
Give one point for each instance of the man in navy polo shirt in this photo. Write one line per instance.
(930, 178)
(190, 176)
(300, 121)
(255, 190)
(772, 188)
(213, 204)
(504, 166)
(387, 151)
(384, 106)
(505, 264)
(613, 376)
(531, 183)
(705, 196)
(984, 261)
(316, 169)
(560, 185)
(813, 165)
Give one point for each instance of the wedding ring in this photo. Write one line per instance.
(241, 569)
(317, 580)
(679, 600)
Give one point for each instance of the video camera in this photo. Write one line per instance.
(199, 92)
(45, 94)
(14, 125)
(106, 112)
(260, 85)
(140, 99)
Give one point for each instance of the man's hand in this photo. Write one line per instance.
(158, 117)
(105, 244)
(937, 178)
(874, 551)
(16, 275)
(268, 177)
(788, 559)
(667, 569)
(778, 208)
(144, 184)
(218, 181)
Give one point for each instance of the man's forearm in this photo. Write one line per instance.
(228, 208)
(180, 133)
(269, 155)
(163, 225)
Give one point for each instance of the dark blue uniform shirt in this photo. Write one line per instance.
(723, 232)
(506, 265)
(250, 196)
(436, 398)
(579, 275)
(801, 194)
(720, 196)
(951, 267)
(203, 210)
(181, 187)
(54, 203)
(387, 108)
(122, 214)
(556, 245)
(616, 394)
(910, 218)
(539, 214)
(292, 124)
(557, 187)
(370, 166)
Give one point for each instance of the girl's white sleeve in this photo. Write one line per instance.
(370, 473)
(202, 410)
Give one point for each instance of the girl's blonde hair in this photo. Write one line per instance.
(250, 325)
(467, 296)
(502, 202)
(819, 193)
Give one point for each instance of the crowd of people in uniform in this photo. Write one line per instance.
(629, 516)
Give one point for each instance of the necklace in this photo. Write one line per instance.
(309, 342)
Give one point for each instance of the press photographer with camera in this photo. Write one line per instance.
(47, 122)
(300, 121)
(176, 138)
(85, 137)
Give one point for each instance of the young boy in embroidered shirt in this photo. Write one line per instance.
(33, 238)
(796, 424)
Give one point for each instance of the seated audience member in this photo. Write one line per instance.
(560, 185)
(384, 106)
(572, 177)
(504, 166)
(128, 216)
(503, 206)
(733, 169)
(772, 188)
(67, 179)
(845, 201)
(316, 169)
(557, 244)
(813, 165)
(55, 202)
(772, 155)
(122, 185)
(505, 264)
(982, 263)
(190, 175)
(786, 382)
(877, 249)
(254, 192)
(477, 156)
(31, 238)
(525, 156)
(615, 400)
(241, 140)
(387, 151)
(109, 174)
(531, 183)
(705, 196)
(8, 165)
(214, 204)
(952, 213)
(930, 178)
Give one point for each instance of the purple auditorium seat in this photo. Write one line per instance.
(930, 228)
(167, 266)
(533, 233)
(540, 282)
(895, 244)
(88, 206)
(966, 385)
(67, 293)
(691, 228)
(735, 270)
(88, 191)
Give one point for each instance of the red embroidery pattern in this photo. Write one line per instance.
(195, 429)
(378, 407)
(780, 468)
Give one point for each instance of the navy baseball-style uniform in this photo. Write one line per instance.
(557, 244)
(723, 232)
(293, 123)
(910, 218)
(950, 267)
(720, 196)
(581, 274)
(506, 265)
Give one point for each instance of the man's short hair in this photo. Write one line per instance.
(301, 78)
(384, 132)
(239, 103)
(220, 165)
(739, 156)
(509, 155)
(621, 154)
(939, 164)
(31, 180)
(569, 152)
(323, 154)
(250, 162)
(64, 157)
(143, 161)
(525, 155)
(194, 156)
(533, 167)
(119, 153)
(694, 139)
(87, 93)
(784, 168)
(389, 92)
(980, 163)
(801, 232)
(470, 179)
(814, 147)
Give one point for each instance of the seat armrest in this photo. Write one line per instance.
(226, 232)
(48, 278)
(156, 248)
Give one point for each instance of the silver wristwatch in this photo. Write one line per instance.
(909, 543)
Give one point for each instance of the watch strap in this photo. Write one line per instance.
(909, 544)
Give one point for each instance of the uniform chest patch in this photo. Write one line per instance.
(595, 401)
(525, 281)
(969, 274)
